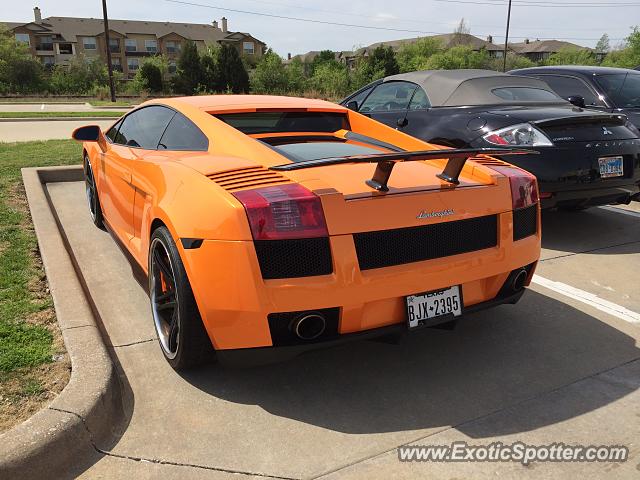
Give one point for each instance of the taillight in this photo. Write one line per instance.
(524, 187)
(283, 212)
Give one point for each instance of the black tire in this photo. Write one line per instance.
(93, 199)
(183, 339)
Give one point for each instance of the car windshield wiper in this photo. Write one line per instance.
(457, 157)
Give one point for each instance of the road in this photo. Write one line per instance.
(55, 107)
(44, 130)
(553, 368)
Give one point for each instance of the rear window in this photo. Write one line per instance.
(298, 152)
(283, 122)
(525, 94)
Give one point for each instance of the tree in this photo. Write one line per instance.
(81, 76)
(603, 45)
(572, 56)
(461, 56)
(210, 71)
(270, 75)
(189, 72)
(383, 63)
(325, 56)
(295, 76)
(460, 32)
(513, 61)
(412, 56)
(330, 79)
(233, 74)
(629, 55)
(19, 71)
(150, 76)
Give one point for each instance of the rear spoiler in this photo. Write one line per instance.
(457, 157)
(612, 119)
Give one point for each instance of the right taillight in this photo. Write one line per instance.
(283, 212)
(524, 187)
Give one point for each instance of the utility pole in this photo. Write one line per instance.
(112, 87)
(506, 40)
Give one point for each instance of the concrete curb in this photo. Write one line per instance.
(58, 119)
(88, 412)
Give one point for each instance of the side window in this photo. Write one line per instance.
(389, 96)
(569, 86)
(359, 98)
(113, 131)
(143, 128)
(182, 134)
(419, 100)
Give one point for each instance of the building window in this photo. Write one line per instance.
(172, 67)
(116, 64)
(114, 45)
(89, 43)
(173, 46)
(130, 45)
(23, 38)
(48, 61)
(133, 64)
(248, 48)
(46, 44)
(65, 49)
(151, 46)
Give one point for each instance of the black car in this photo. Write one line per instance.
(601, 88)
(587, 158)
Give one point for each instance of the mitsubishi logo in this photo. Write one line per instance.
(606, 131)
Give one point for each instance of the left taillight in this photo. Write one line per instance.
(283, 212)
(524, 186)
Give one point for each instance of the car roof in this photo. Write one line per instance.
(235, 103)
(466, 87)
(582, 69)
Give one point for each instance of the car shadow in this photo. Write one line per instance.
(592, 230)
(436, 378)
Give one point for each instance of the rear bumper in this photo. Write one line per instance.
(247, 357)
(235, 302)
(589, 197)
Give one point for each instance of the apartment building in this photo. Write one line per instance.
(56, 40)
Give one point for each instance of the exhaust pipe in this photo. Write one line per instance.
(519, 279)
(309, 327)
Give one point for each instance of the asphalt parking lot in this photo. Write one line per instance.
(563, 365)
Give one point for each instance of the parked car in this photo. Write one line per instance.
(586, 158)
(601, 88)
(268, 226)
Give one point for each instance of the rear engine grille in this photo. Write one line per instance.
(304, 257)
(414, 244)
(525, 222)
(282, 334)
(244, 178)
(489, 162)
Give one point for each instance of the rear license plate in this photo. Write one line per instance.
(611, 167)
(421, 308)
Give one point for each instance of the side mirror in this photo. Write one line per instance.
(90, 133)
(353, 105)
(577, 100)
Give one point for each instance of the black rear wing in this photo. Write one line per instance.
(456, 157)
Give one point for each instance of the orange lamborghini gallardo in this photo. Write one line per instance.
(268, 226)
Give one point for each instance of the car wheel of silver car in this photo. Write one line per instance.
(181, 333)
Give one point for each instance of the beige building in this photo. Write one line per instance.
(55, 40)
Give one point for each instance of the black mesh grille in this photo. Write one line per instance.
(303, 257)
(414, 244)
(525, 222)
(280, 326)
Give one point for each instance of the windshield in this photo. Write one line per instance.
(622, 88)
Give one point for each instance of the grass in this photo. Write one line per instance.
(58, 114)
(109, 103)
(33, 366)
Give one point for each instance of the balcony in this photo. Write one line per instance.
(44, 47)
(114, 48)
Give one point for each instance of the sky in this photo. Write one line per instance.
(581, 24)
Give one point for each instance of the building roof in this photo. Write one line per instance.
(447, 88)
(71, 27)
(543, 46)
(581, 69)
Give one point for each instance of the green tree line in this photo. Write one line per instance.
(221, 69)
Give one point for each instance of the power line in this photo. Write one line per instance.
(340, 24)
(542, 4)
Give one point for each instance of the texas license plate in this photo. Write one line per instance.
(611, 167)
(421, 308)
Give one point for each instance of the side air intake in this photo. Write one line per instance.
(243, 178)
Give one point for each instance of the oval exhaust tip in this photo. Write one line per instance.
(519, 280)
(309, 327)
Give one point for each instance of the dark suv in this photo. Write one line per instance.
(602, 88)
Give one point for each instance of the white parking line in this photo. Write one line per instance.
(621, 210)
(588, 299)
